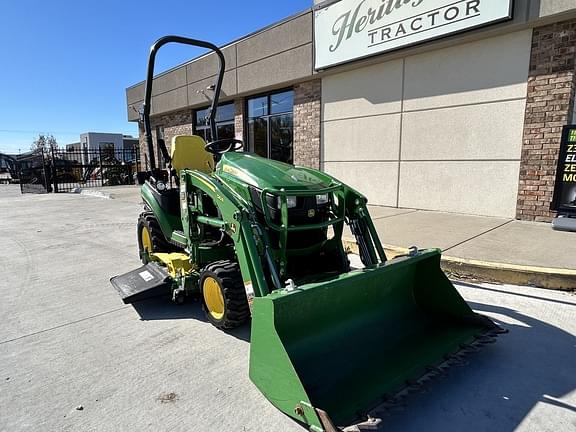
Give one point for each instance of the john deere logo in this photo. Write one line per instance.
(311, 213)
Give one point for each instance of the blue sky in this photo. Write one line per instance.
(66, 64)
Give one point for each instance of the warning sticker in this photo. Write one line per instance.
(249, 293)
(249, 288)
(146, 275)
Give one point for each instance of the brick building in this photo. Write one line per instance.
(455, 107)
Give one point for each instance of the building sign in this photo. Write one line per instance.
(353, 29)
(565, 189)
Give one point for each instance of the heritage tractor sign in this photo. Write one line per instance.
(351, 29)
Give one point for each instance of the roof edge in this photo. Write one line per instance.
(234, 42)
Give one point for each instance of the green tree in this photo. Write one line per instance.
(44, 142)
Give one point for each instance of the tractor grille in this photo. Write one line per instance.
(306, 212)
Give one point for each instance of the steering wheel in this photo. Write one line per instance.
(224, 146)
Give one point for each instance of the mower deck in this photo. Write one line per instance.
(145, 282)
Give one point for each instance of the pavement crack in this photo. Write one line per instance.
(478, 235)
(394, 215)
(63, 325)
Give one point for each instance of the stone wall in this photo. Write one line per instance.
(549, 106)
(307, 116)
(177, 123)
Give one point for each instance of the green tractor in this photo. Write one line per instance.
(255, 239)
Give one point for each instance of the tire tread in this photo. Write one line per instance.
(236, 309)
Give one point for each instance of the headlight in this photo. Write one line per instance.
(290, 202)
(161, 186)
(322, 199)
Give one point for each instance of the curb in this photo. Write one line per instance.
(92, 193)
(486, 271)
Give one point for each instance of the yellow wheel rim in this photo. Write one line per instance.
(146, 240)
(213, 297)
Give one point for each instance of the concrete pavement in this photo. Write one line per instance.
(474, 247)
(67, 340)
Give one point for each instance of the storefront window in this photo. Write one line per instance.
(224, 122)
(270, 125)
(282, 102)
(258, 107)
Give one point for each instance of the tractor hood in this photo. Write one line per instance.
(265, 173)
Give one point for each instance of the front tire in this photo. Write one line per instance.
(223, 296)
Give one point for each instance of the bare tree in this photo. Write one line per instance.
(44, 142)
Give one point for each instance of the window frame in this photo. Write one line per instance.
(267, 117)
(196, 128)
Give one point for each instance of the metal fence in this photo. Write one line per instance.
(63, 170)
(34, 173)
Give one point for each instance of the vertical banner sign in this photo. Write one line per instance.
(565, 189)
(353, 29)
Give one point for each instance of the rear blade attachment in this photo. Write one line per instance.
(145, 282)
(342, 351)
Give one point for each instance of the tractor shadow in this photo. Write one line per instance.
(163, 308)
(533, 366)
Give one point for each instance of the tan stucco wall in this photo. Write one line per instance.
(440, 130)
(278, 56)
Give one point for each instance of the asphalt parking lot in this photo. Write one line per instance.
(67, 341)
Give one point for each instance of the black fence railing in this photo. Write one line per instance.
(34, 173)
(8, 169)
(60, 170)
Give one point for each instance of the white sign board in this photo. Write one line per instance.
(352, 29)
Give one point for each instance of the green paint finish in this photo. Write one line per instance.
(168, 223)
(235, 213)
(337, 344)
(242, 171)
(271, 367)
(265, 173)
(351, 340)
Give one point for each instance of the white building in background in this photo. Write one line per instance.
(99, 140)
(91, 142)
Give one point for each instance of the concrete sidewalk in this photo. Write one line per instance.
(486, 248)
(130, 193)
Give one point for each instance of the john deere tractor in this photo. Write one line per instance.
(260, 240)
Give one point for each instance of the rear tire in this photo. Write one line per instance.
(150, 236)
(223, 296)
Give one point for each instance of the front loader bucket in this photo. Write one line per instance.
(339, 348)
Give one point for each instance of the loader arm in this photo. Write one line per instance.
(236, 220)
(358, 219)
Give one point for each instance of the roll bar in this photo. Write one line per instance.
(148, 95)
